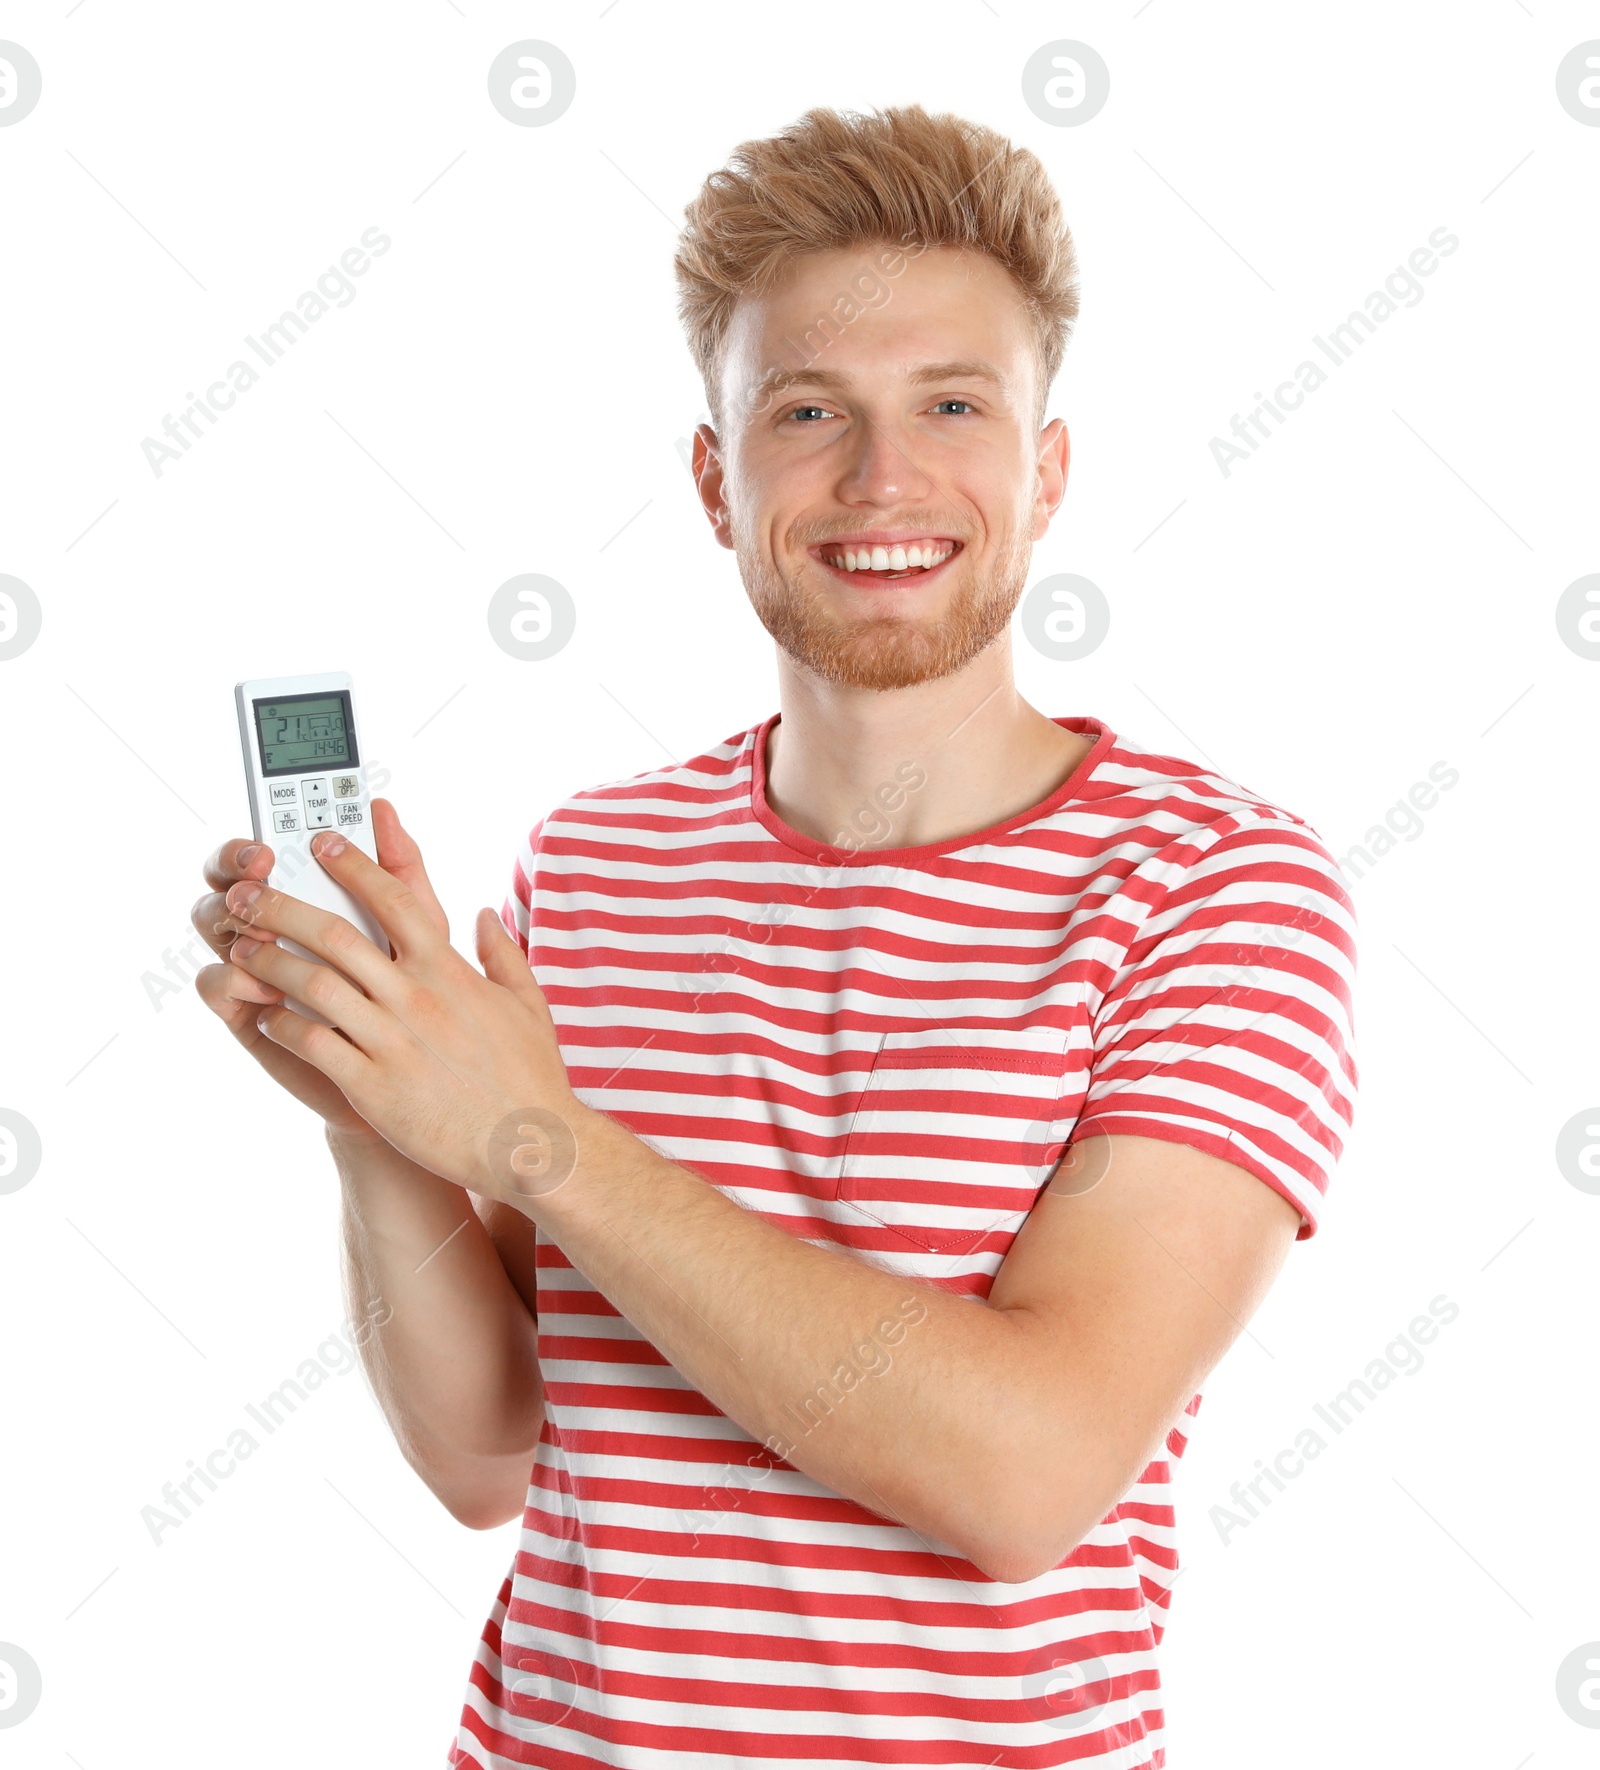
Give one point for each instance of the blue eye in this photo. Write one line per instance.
(825, 411)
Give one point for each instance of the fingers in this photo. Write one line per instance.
(242, 858)
(216, 924)
(398, 854)
(234, 996)
(318, 986)
(397, 905)
(502, 959)
(239, 858)
(324, 1048)
(505, 963)
(265, 912)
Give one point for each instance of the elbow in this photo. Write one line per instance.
(1017, 1574)
(1018, 1544)
(1013, 1565)
(479, 1514)
(481, 1489)
(1037, 1509)
(481, 1499)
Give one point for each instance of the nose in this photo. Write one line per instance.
(882, 468)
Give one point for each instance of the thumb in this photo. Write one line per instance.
(504, 961)
(399, 855)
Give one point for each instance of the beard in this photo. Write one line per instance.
(890, 650)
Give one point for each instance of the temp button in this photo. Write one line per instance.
(314, 796)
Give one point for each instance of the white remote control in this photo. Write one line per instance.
(302, 758)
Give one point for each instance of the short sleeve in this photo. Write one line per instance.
(516, 913)
(1229, 1025)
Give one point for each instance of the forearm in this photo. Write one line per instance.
(888, 1391)
(453, 1352)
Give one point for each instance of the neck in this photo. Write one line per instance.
(866, 768)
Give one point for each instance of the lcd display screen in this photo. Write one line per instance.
(305, 733)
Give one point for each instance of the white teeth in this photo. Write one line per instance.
(898, 558)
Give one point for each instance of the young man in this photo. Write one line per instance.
(878, 1125)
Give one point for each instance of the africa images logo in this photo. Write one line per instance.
(333, 287)
(1401, 288)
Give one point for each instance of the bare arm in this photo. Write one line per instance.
(1005, 1428)
(453, 1353)
(450, 1350)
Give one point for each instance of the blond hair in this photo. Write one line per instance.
(898, 176)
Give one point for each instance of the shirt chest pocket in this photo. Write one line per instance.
(956, 1132)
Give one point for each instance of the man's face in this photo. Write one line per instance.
(913, 421)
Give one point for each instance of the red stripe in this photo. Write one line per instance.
(1159, 953)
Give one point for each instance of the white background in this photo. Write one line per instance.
(1374, 591)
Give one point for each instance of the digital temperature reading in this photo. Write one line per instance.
(306, 733)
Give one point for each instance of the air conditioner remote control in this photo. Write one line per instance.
(302, 759)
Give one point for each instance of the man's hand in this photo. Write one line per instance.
(458, 1069)
(236, 997)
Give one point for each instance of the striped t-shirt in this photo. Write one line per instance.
(886, 1051)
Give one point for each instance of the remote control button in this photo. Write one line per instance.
(285, 793)
(346, 786)
(314, 796)
(285, 821)
(350, 813)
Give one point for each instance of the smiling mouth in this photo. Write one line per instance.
(835, 558)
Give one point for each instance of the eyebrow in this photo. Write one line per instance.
(964, 369)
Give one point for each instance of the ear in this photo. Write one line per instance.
(1055, 452)
(707, 467)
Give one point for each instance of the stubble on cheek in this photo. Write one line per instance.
(797, 603)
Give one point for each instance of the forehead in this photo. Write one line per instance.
(870, 315)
